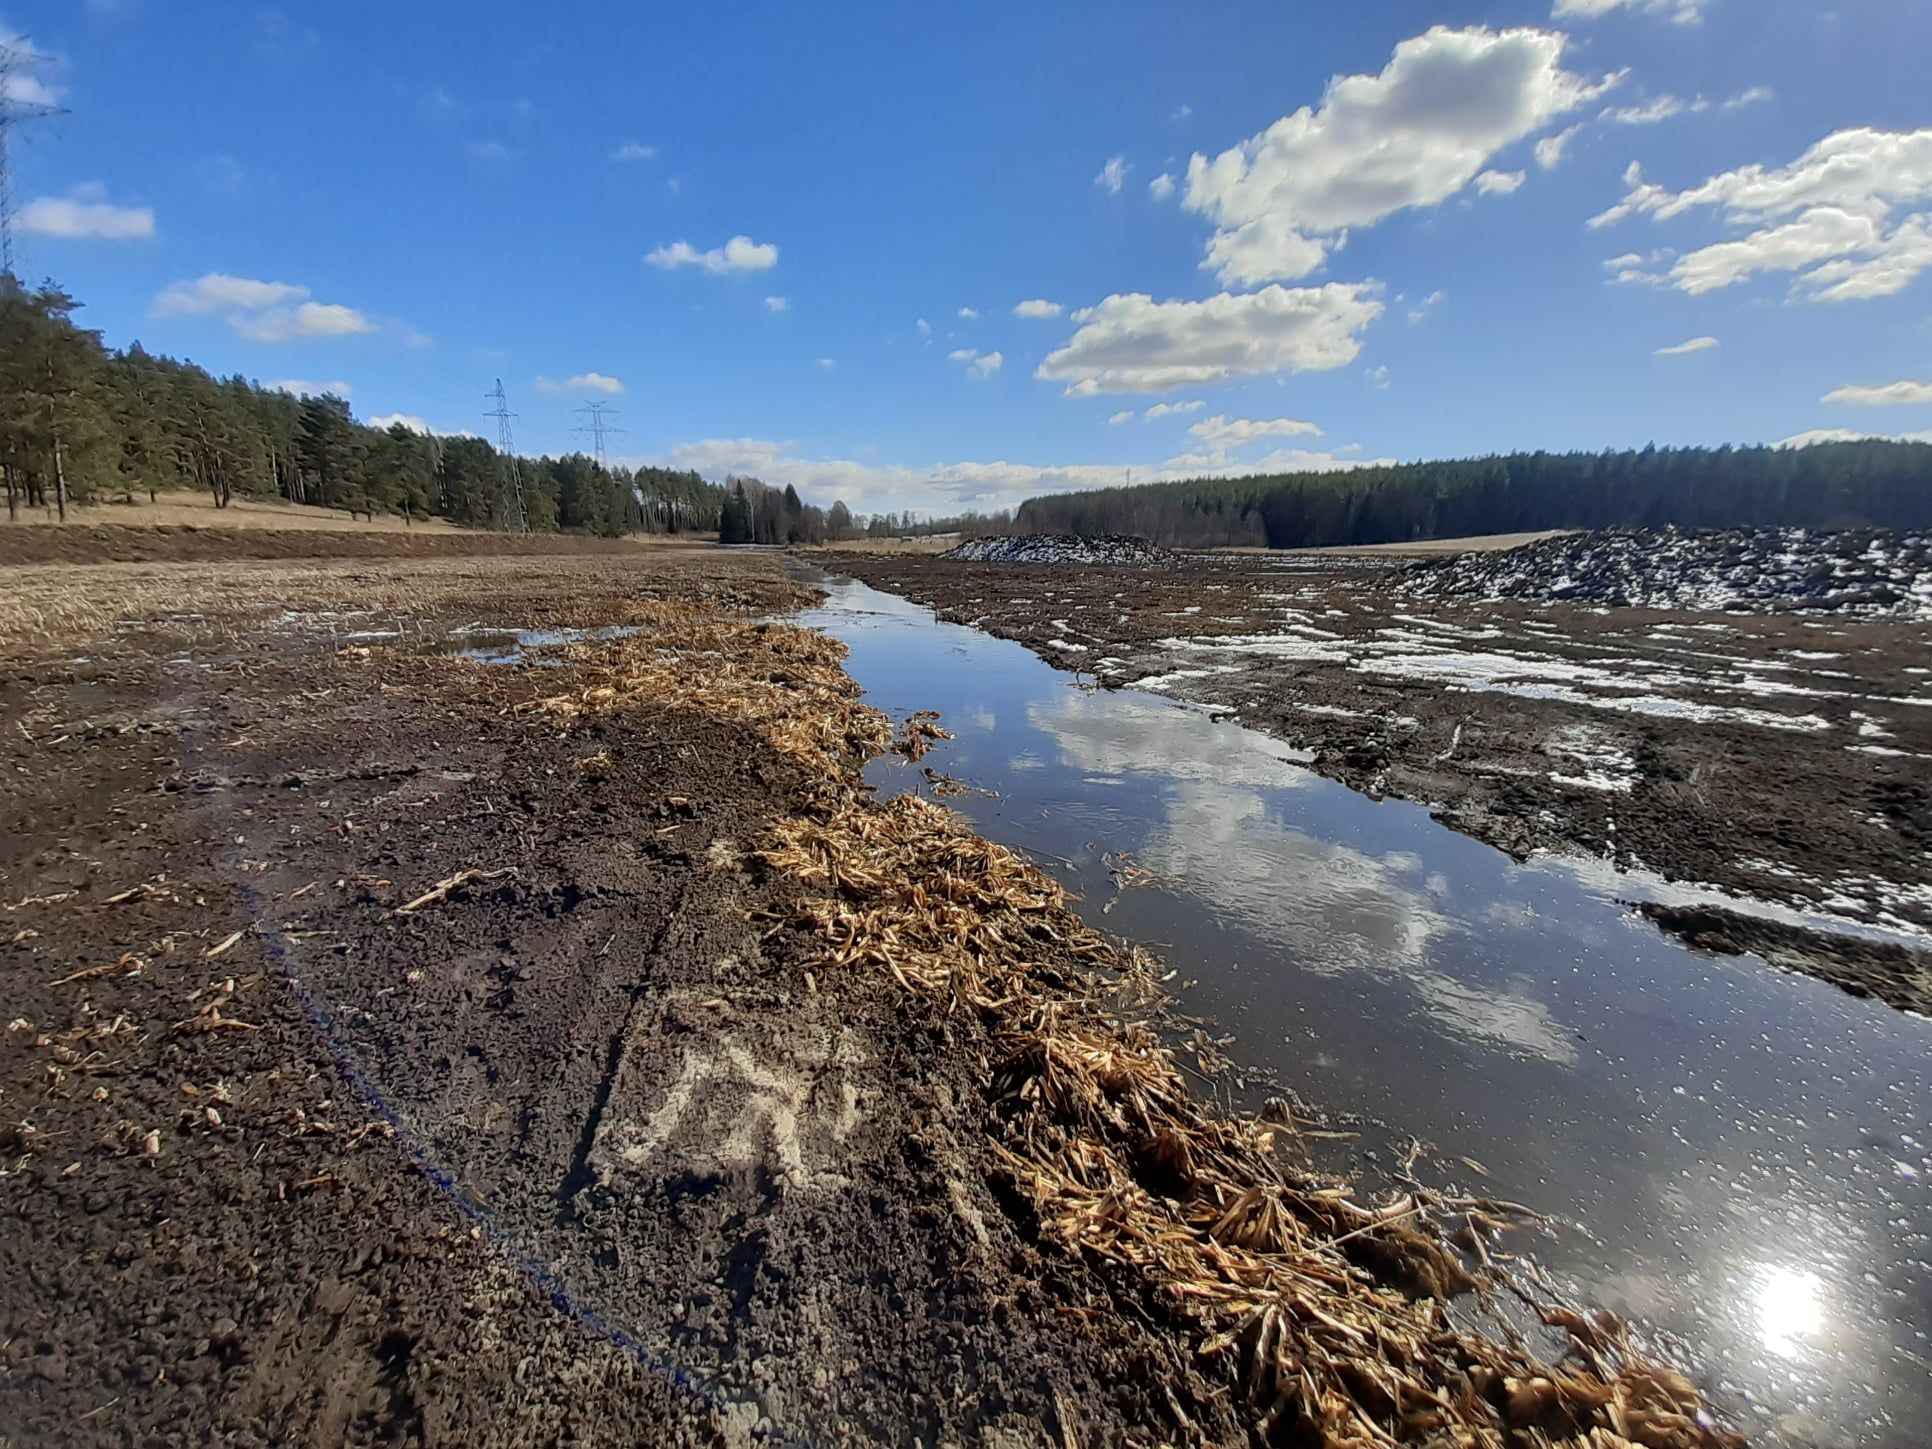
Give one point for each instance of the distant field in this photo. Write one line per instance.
(182, 508)
(1421, 547)
(895, 545)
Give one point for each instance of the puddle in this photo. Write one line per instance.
(1744, 1153)
(517, 646)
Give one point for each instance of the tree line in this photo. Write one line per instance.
(81, 423)
(1825, 485)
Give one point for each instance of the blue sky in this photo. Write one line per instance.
(795, 237)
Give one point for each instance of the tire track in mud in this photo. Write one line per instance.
(579, 1176)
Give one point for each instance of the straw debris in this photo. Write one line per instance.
(784, 681)
(919, 734)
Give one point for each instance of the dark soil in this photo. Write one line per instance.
(1837, 817)
(576, 1152)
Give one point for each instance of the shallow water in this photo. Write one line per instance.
(1741, 1155)
(517, 646)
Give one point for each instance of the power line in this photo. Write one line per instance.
(597, 428)
(507, 446)
(15, 109)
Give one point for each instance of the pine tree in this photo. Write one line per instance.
(734, 522)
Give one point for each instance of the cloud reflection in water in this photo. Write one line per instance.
(1221, 836)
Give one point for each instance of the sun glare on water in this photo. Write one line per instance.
(1789, 1310)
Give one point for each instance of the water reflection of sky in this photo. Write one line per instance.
(1741, 1150)
(1218, 835)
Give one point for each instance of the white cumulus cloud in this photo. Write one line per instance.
(219, 292)
(1113, 175)
(1684, 349)
(1222, 433)
(1427, 305)
(1213, 463)
(1162, 410)
(301, 387)
(1662, 108)
(386, 421)
(1551, 149)
(948, 487)
(778, 304)
(1847, 218)
(1162, 186)
(1890, 395)
(1499, 183)
(1413, 136)
(1683, 12)
(1125, 415)
(1814, 436)
(979, 364)
(26, 81)
(634, 151)
(85, 213)
(309, 319)
(1038, 307)
(1131, 343)
(260, 311)
(1649, 113)
(740, 254)
(581, 382)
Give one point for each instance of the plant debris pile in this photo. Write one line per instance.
(1767, 570)
(1060, 548)
(782, 680)
(1333, 1320)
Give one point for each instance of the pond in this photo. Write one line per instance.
(1736, 1157)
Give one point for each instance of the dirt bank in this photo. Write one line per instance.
(410, 1047)
(1783, 757)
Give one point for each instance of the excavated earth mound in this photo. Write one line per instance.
(1768, 570)
(1060, 548)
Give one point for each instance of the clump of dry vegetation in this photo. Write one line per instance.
(782, 680)
(1340, 1323)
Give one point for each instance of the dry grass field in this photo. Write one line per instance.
(182, 508)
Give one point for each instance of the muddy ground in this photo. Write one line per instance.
(572, 1150)
(1784, 757)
